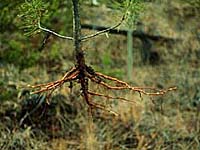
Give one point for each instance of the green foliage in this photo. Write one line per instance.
(34, 11)
(132, 9)
(16, 54)
(31, 13)
(15, 51)
(135, 7)
(8, 14)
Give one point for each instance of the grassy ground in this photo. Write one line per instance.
(169, 122)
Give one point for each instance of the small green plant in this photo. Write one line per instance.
(32, 11)
(81, 72)
(133, 8)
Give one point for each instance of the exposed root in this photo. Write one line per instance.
(69, 76)
(111, 97)
(121, 85)
(82, 76)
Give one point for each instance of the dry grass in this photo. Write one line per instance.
(166, 122)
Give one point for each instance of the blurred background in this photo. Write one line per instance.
(161, 50)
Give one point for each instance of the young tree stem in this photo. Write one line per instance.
(79, 55)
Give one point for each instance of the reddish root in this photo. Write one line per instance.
(126, 86)
(74, 74)
(51, 86)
